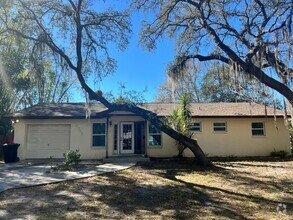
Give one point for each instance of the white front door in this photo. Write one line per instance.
(127, 138)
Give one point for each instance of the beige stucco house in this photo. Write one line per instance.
(222, 129)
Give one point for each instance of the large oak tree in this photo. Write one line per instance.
(254, 37)
(80, 32)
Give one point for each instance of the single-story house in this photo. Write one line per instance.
(222, 129)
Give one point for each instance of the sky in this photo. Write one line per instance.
(137, 67)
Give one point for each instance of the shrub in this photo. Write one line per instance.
(2, 130)
(282, 154)
(71, 157)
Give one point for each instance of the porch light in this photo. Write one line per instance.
(14, 121)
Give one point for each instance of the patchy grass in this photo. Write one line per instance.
(163, 190)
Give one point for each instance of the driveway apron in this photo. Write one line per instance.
(14, 176)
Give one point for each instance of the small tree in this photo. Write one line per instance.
(180, 121)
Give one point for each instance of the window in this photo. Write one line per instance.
(195, 126)
(220, 126)
(257, 128)
(155, 136)
(99, 134)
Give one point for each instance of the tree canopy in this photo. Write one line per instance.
(174, 87)
(254, 37)
(25, 82)
(71, 30)
(210, 82)
(81, 36)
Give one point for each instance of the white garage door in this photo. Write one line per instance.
(44, 141)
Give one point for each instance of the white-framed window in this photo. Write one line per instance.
(257, 129)
(99, 134)
(195, 126)
(154, 136)
(220, 126)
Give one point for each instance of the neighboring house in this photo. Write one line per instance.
(222, 129)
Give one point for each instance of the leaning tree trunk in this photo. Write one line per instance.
(154, 119)
(147, 115)
(78, 69)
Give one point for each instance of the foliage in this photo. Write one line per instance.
(180, 121)
(80, 35)
(5, 100)
(282, 154)
(174, 88)
(126, 96)
(23, 85)
(10, 84)
(253, 37)
(221, 84)
(71, 157)
(43, 22)
(5, 128)
(51, 161)
(214, 83)
(45, 32)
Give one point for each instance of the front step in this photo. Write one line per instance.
(126, 159)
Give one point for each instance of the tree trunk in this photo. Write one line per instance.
(147, 115)
(154, 119)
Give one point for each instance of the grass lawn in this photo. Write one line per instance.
(163, 190)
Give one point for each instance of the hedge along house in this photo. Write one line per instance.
(222, 129)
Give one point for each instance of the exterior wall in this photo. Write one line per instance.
(117, 120)
(237, 141)
(81, 134)
(80, 138)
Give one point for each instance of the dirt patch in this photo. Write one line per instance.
(168, 189)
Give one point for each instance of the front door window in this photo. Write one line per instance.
(127, 137)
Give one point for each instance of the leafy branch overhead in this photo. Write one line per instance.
(254, 37)
(81, 36)
(56, 25)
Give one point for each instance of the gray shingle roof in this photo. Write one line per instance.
(57, 110)
(218, 109)
(78, 110)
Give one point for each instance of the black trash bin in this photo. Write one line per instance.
(10, 153)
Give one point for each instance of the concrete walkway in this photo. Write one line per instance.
(20, 174)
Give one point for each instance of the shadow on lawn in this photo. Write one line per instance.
(273, 164)
(183, 199)
(269, 184)
(125, 195)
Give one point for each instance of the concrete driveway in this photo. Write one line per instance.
(23, 174)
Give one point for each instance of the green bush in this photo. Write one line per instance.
(282, 154)
(2, 130)
(71, 157)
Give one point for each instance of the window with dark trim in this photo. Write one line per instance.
(195, 126)
(220, 126)
(257, 129)
(99, 134)
(154, 136)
